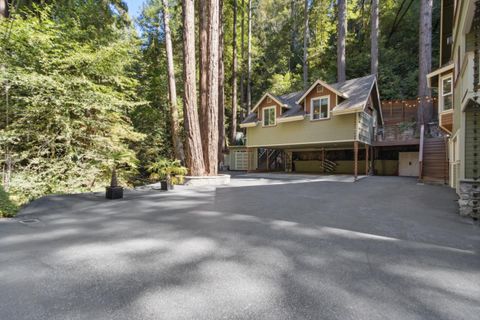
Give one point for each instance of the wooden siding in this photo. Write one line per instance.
(365, 127)
(315, 94)
(470, 143)
(446, 121)
(338, 128)
(266, 103)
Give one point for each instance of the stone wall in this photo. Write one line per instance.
(469, 201)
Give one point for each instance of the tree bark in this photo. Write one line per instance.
(210, 126)
(374, 38)
(306, 33)
(172, 88)
(203, 73)
(425, 61)
(342, 33)
(195, 162)
(249, 63)
(233, 125)
(221, 88)
(3, 8)
(293, 40)
(242, 64)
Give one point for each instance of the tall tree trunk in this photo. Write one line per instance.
(172, 88)
(210, 126)
(195, 162)
(293, 40)
(221, 88)
(3, 8)
(233, 125)
(342, 33)
(306, 33)
(374, 39)
(242, 64)
(425, 61)
(249, 63)
(203, 52)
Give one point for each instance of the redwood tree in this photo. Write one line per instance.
(425, 61)
(374, 38)
(306, 32)
(233, 124)
(342, 33)
(249, 58)
(172, 88)
(194, 154)
(221, 88)
(209, 125)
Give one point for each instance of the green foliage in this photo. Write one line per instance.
(170, 170)
(281, 84)
(70, 97)
(7, 208)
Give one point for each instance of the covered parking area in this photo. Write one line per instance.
(348, 157)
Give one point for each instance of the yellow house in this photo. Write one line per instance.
(458, 86)
(329, 128)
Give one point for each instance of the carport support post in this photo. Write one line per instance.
(366, 159)
(355, 158)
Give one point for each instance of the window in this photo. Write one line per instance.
(269, 116)
(319, 108)
(446, 94)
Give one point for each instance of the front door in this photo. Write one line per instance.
(408, 165)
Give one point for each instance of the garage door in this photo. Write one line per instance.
(241, 160)
(408, 164)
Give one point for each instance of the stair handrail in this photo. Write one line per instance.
(420, 153)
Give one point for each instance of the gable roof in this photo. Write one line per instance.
(273, 97)
(355, 92)
(358, 91)
(329, 87)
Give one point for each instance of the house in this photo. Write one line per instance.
(328, 128)
(458, 88)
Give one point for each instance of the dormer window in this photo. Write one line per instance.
(319, 108)
(446, 94)
(269, 116)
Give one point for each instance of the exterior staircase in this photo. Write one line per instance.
(435, 161)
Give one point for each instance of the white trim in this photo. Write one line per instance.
(347, 111)
(290, 119)
(298, 143)
(248, 124)
(274, 117)
(438, 72)
(328, 107)
(320, 82)
(282, 105)
(441, 95)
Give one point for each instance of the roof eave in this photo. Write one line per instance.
(326, 85)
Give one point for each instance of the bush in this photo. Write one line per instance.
(7, 208)
(165, 169)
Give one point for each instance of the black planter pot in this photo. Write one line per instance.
(166, 186)
(114, 193)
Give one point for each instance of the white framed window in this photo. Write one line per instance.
(269, 116)
(320, 108)
(446, 93)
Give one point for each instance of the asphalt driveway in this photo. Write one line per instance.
(380, 248)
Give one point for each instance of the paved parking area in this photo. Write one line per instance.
(379, 248)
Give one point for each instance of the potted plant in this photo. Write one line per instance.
(168, 172)
(114, 191)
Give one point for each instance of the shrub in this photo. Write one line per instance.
(169, 170)
(7, 208)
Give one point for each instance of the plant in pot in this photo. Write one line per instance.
(114, 190)
(169, 172)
